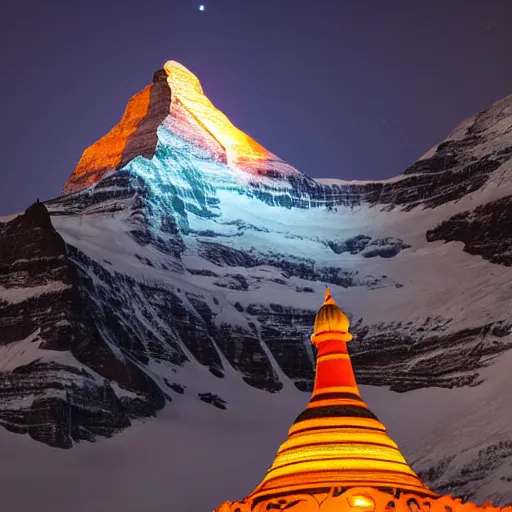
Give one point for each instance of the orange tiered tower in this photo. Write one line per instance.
(337, 440)
(338, 456)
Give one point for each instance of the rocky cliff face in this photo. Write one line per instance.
(134, 135)
(56, 367)
(182, 251)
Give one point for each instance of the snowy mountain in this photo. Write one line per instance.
(178, 276)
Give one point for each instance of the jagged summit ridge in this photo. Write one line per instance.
(172, 119)
(176, 99)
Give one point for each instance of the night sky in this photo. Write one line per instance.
(350, 89)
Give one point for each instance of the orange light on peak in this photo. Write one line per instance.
(106, 154)
(185, 87)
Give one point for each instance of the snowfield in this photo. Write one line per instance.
(194, 457)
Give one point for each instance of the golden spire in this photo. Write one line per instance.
(328, 297)
(330, 321)
(336, 441)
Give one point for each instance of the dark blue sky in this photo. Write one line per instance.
(339, 88)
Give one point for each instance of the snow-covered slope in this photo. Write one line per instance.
(194, 457)
(179, 276)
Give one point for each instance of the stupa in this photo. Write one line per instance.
(338, 455)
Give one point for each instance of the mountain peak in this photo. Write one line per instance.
(134, 135)
(186, 88)
(176, 94)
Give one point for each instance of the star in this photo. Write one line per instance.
(202, 7)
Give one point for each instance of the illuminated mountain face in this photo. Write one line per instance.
(176, 100)
(134, 135)
(186, 90)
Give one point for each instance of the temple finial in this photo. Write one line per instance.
(330, 322)
(328, 297)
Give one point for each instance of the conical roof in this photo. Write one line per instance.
(336, 440)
